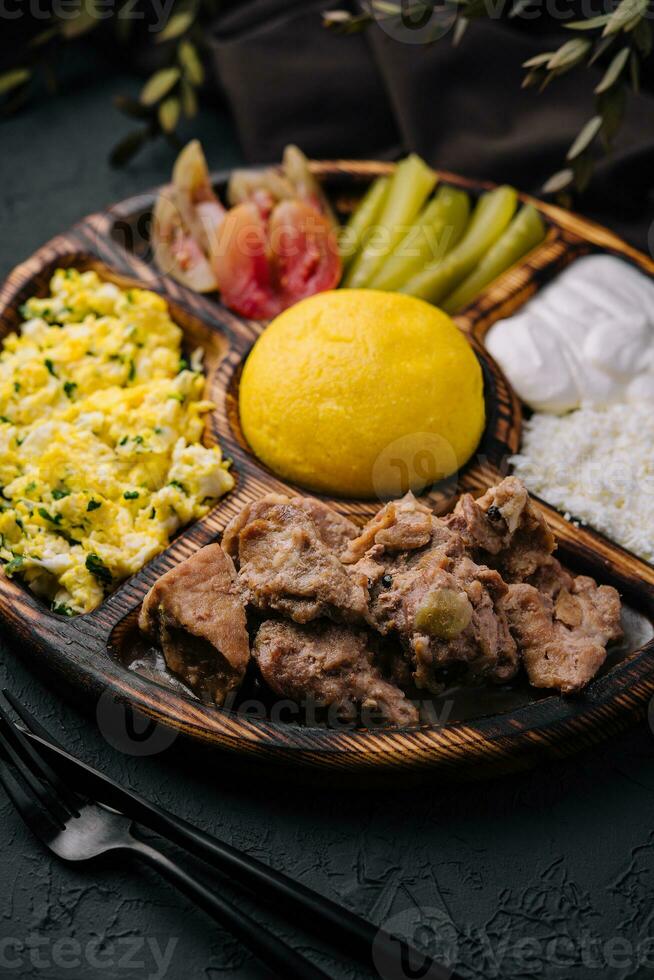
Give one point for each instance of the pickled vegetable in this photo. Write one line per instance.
(362, 219)
(296, 169)
(270, 185)
(491, 216)
(187, 218)
(290, 255)
(411, 185)
(443, 613)
(437, 229)
(525, 232)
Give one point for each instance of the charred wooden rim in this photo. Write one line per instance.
(78, 651)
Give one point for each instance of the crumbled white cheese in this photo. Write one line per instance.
(597, 465)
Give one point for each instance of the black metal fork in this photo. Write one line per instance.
(76, 828)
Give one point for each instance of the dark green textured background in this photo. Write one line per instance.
(537, 873)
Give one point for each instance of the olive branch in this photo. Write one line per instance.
(621, 39)
(169, 95)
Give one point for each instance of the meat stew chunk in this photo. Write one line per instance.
(354, 618)
(507, 530)
(286, 567)
(401, 525)
(447, 617)
(197, 616)
(333, 666)
(334, 529)
(563, 640)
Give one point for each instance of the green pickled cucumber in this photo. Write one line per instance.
(411, 185)
(491, 216)
(436, 231)
(525, 232)
(362, 218)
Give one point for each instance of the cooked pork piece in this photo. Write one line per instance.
(331, 666)
(563, 641)
(506, 529)
(505, 512)
(445, 613)
(334, 530)
(285, 566)
(401, 525)
(440, 604)
(230, 538)
(195, 613)
(428, 601)
(546, 572)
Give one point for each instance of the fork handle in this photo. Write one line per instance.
(273, 952)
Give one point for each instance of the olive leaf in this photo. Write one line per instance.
(334, 18)
(534, 77)
(559, 181)
(626, 16)
(519, 8)
(548, 64)
(190, 61)
(344, 22)
(169, 112)
(588, 25)
(614, 71)
(384, 7)
(635, 20)
(159, 85)
(13, 79)
(569, 54)
(176, 26)
(460, 28)
(538, 60)
(585, 137)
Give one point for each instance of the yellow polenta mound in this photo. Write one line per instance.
(362, 393)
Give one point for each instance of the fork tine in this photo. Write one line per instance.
(29, 720)
(35, 761)
(47, 798)
(39, 821)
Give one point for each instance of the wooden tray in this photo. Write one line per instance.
(498, 730)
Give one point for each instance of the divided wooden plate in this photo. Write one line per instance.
(486, 731)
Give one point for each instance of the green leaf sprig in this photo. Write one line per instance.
(170, 95)
(621, 39)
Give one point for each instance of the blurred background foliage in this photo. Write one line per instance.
(166, 41)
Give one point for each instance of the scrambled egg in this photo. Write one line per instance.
(100, 428)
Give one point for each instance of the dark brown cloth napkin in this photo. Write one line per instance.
(287, 79)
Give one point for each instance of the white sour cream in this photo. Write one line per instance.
(587, 338)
